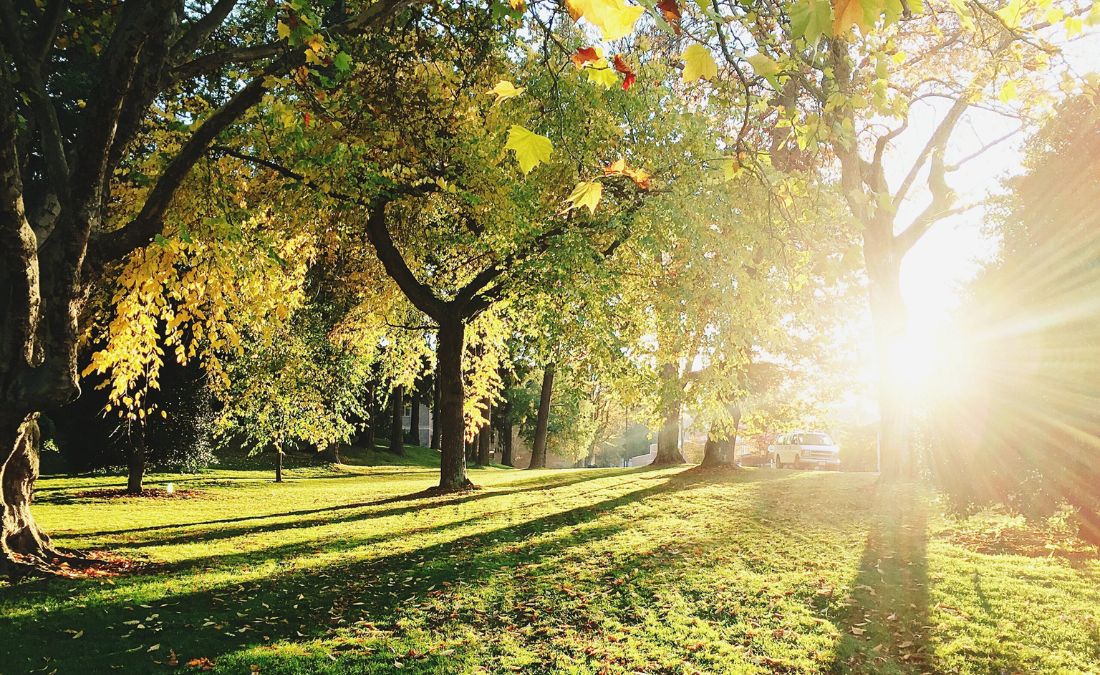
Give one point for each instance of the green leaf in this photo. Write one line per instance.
(342, 61)
(810, 19)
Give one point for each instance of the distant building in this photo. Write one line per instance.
(426, 421)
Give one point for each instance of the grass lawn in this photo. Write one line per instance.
(576, 571)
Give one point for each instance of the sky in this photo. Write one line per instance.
(935, 273)
(955, 249)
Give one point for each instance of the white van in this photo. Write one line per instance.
(802, 449)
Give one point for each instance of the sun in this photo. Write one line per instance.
(911, 360)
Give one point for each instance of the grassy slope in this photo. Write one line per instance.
(565, 571)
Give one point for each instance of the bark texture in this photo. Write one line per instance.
(24, 547)
(397, 433)
(668, 436)
(434, 441)
(542, 422)
(721, 448)
(135, 465)
(452, 476)
(414, 416)
(485, 438)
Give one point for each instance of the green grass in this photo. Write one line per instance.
(582, 571)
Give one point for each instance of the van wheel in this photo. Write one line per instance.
(797, 461)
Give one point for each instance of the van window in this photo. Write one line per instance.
(814, 439)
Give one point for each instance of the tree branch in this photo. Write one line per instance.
(201, 29)
(955, 166)
(49, 24)
(209, 63)
(936, 143)
(30, 75)
(418, 293)
(148, 222)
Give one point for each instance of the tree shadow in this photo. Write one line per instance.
(528, 485)
(885, 626)
(298, 605)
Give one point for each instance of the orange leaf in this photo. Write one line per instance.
(671, 11)
(201, 662)
(622, 67)
(848, 13)
(584, 55)
(640, 177)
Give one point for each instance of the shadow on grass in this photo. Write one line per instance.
(298, 605)
(885, 628)
(528, 485)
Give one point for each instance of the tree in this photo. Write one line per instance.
(445, 177)
(1023, 416)
(397, 412)
(295, 389)
(855, 93)
(542, 422)
(177, 436)
(85, 83)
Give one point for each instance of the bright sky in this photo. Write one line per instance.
(955, 249)
(937, 270)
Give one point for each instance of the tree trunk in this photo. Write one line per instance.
(414, 416)
(397, 434)
(889, 318)
(504, 414)
(135, 464)
(721, 448)
(369, 434)
(668, 437)
(485, 437)
(434, 441)
(333, 453)
(538, 449)
(278, 464)
(24, 547)
(452, 474)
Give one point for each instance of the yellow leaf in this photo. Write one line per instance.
(518, 5)
(506, 90)
(614, 18)
(762, 64)
(698, 63)
(731, 168)
(283, 30)
(586, 193)
(1012, 13)
(601, 73)
(1008, 92)
(530, 148)
(848, 13)
(1073, 26)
